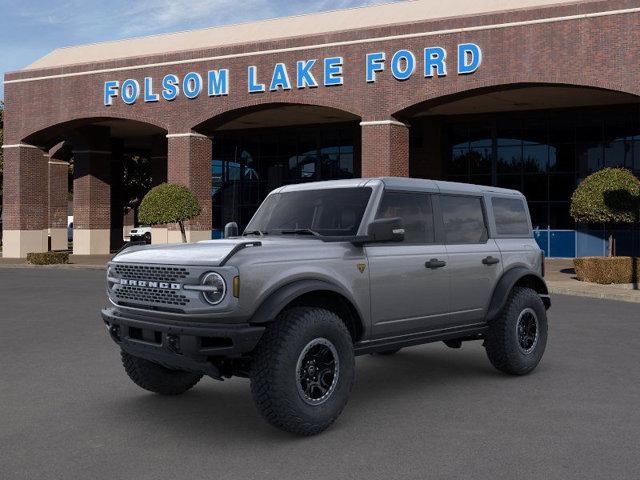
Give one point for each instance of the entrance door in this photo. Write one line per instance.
(409, 280)
(475, 262)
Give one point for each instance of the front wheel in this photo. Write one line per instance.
(515, 341)
(303, 370)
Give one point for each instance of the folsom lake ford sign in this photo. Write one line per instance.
(309, 73)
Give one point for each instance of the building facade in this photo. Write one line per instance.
(531, 94)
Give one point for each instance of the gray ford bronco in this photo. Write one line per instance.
(324, 272)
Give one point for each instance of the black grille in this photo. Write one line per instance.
(152, 273)
(133, 294)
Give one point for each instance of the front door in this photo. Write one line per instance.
(409, 279)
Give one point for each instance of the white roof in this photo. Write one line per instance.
(273, 29)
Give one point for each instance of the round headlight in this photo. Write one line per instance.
(215, 288)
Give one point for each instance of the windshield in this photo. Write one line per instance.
(326, 212)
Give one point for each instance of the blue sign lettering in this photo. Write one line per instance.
(170, 86)
(304, 76)
(216, 83)
(469, 58)
(280, 78)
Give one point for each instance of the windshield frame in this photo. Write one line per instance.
(308, 232)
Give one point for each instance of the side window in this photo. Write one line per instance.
(463, 219)
(415, 211)
(511, 216)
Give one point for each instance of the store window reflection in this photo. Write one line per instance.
(248, 164)
(543, 154)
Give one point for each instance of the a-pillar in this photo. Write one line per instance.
(385, 148)
(159, 233)
(25, 211)
(92, 192)
(58, 192)
(189, 164)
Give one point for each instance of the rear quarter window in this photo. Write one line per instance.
(511, 216)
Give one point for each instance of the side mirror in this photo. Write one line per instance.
(231, 230)
(386, 230)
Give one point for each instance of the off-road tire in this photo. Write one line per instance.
(274, 375)
(156, 378)
(391, 351)
(502, 342)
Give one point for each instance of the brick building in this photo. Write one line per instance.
(527, 94)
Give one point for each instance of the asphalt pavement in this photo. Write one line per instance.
(68, 411)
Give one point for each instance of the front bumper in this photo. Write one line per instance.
(180, 345)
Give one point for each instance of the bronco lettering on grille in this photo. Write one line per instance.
(149, 284)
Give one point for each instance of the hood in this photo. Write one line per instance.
(212, 252)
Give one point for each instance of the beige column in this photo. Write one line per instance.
(385, 148)
(91, 191)
(58, 192)
(189, 164)
(25, 211)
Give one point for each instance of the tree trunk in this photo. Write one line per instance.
(610, 253)
(184, 235)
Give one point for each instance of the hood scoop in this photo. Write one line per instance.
(213, 253)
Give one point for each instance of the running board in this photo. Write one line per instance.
(381, 344)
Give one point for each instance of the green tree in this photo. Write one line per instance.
(169, 203)
(610, 196)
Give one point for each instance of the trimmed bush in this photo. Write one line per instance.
(169, 203)
(607, 270)
(611, 195)
(48, 258)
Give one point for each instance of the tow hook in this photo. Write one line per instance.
(114, 332)
(173, 343)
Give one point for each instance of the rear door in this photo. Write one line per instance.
(409, 280)
(475, 263)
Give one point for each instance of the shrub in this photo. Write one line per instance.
(48, 258)
(607, 270)
(611, 195)
(169, 203)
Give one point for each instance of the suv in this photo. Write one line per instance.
(140, 234)
(327, 271)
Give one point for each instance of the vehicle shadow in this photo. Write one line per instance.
(214, 409)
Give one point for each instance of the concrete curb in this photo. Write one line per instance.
(67, 266)
(578, 291)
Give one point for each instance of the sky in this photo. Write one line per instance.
(29, 29)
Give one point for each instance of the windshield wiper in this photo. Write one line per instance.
(300, 231)
(260, 233)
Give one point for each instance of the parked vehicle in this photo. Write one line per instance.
(140, 234)
(69, 228)
(327, 271)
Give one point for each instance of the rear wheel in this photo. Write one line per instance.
(303, 370)
(156, 378)
(515, 341)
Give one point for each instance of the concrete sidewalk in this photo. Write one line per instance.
(93, 262)
(561, 279)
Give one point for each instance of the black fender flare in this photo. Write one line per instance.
(281, 297)
(506, 283)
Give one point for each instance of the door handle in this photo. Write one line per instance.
(490, 260)
(435, 263)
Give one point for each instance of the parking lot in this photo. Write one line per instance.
(67, 409)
